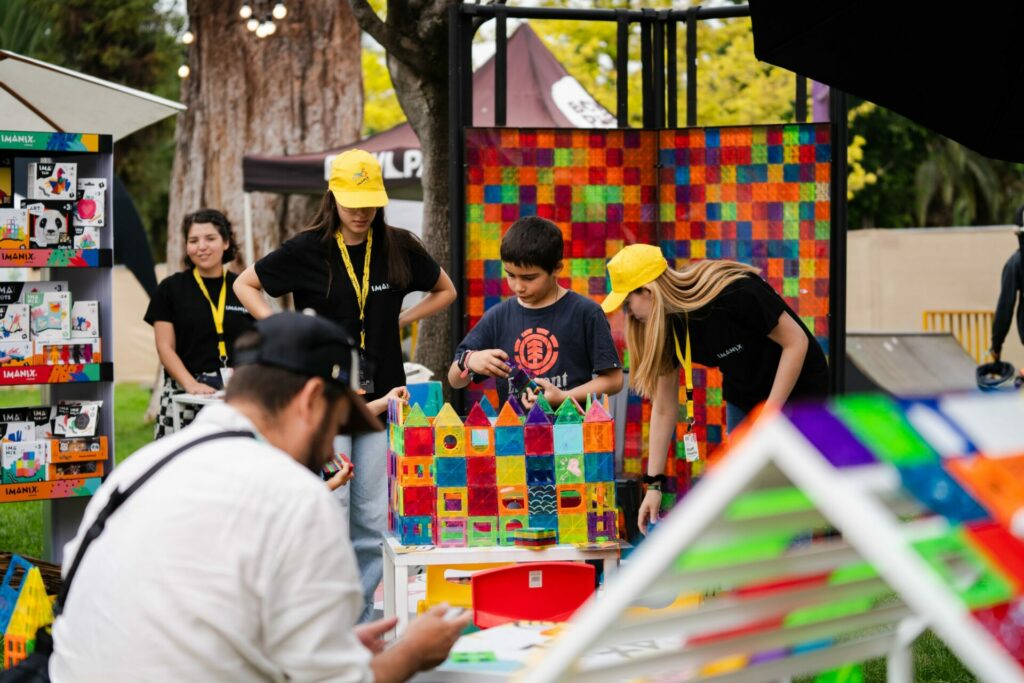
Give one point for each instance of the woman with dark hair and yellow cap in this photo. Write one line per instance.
(350, 266)
(719, 314)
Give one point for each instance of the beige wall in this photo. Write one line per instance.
(135, 352)
(894, 275)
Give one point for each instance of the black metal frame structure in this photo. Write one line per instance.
(658, 29)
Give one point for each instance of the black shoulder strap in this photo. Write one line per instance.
(118, 497)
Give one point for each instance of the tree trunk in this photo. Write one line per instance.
(296, 91)
(425, 102)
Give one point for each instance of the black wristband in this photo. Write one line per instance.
(658, 478)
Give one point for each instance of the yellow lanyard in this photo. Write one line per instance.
(687, 362)
(361, 294)
(218, 311)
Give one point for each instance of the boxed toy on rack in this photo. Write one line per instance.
(478, 481)
(41, 324)
(51, 443)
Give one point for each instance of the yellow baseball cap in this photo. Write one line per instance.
(630, 269)
(356, 180)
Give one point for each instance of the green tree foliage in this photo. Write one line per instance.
(23, 29)
(925, 179)
(131, 42)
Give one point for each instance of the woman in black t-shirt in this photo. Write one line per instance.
(718, 314)
(189, 307)
(350, 266)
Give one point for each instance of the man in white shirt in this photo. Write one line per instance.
(229, 564)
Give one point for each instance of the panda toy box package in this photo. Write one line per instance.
(49, 224)
(52, 180)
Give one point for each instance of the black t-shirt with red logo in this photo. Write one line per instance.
(566, 343)
(731, 333)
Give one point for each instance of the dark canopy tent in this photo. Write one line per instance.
(541, 93)
(131, 244)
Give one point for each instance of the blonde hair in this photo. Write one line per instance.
(651, 348)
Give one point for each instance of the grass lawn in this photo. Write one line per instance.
(21, 524)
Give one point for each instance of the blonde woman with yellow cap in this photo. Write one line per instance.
(350, 266)
(718, 314)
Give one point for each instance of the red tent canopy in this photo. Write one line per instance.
(541, 94)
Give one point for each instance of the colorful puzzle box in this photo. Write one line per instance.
(478, 481)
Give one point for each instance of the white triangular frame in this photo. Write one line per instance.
(848, 499)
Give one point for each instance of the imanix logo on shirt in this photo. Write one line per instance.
(381, 287)
(729, 351)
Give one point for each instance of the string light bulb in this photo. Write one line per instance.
(253, 24)
(188, 37)
(271, 28)
(245, 12)
(280, 11)
(184, 71)
(262, 31)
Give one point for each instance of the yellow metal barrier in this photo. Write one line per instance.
(973, 329)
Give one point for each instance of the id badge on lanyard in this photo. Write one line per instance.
(690, 447)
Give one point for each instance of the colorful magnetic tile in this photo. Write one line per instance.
(481, 471)
(509, 441)
(568, 438)
(966, 572)
(569, 469)
(512, 500)
(451, 502)
(483, 501)
(537, 415)
(451, 532)
(540, 469)
(572, 528)
(829, 435)
(509, 526)
(538, 439)
(571, 499)
(568, 413)
(418, 441)
(449, 472)
(542, 500)
(477, 417)
(508, 417)
(479, 441)
(449, 441)
(1003, 549)
(992, 486)
(415, 471)
(415, 530)
(602, 526)
(544, 521)
(598, 466)
(428, 395)
(482, 531)
(879, 424)
(940, 493)
(600, 496)
(598, 437)
(415, 418)
(487, 407)
(1006, 624)
(417, 501)
(511, 470)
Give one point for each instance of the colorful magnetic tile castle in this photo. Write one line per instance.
(756, 194)
(961, 457)
(482, 480)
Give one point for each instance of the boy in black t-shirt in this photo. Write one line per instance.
(561, 338)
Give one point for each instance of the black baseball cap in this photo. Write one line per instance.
(312, 346)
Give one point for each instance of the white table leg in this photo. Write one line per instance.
(389, 586)
(610, 566)
(401, 583)
(175, 416)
